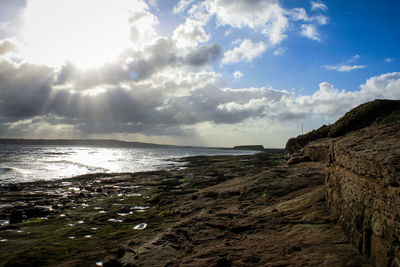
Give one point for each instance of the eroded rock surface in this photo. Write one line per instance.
(363, 188)
(220, 211)
(276, 216)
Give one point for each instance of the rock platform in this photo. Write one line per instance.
(218, 211)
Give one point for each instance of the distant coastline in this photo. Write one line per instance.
(83, 142)
(118, 144)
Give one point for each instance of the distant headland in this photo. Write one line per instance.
(81, 142)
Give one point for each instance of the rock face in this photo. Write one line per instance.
(363, 188)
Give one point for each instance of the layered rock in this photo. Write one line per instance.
(363, 188)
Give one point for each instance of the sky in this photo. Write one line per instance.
(186, 72)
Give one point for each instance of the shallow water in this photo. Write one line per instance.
(21, 163)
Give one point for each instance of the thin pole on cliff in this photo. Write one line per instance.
(302, 129)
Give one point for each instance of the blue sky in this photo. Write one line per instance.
(212, 72)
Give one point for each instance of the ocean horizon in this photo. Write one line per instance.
(30, 163)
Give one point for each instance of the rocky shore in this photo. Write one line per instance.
(363, 188)
(219, 211)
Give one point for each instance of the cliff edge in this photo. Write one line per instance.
(377, 112)
(363, 186)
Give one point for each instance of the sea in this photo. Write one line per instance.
(29, 163)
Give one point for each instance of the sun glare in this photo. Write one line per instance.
(88, 33)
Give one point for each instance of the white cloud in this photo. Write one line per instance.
(238, 74)
(189, 34)
(200, 12)
(388, 60)
(300, 14)
(332, 103)
(279, 51)
(246, 51)
(266, 17)
(320, 19)
(152, 2)
(182, 6)
(383, 86)
(317, 5)
(344, 68)
(142, 27)
(310, 31)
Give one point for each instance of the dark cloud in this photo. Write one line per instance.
(28, 92)
(24, 90)
(33, 97)
(159, 55)
(155, 57)
(110, 73)
(204, 55)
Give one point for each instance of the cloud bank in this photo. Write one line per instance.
(167, 99)
(169, 87)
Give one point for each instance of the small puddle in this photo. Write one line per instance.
(115, 220)
(140, 226)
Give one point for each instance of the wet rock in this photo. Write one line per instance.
(223, 262)
(111, 261)
(16, 216)
(13, 187)
(34, 212)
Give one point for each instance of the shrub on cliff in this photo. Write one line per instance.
(371, 113)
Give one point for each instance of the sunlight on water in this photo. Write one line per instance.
(32, 163)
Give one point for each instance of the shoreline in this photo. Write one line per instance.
(69, 166)
(232, 210)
